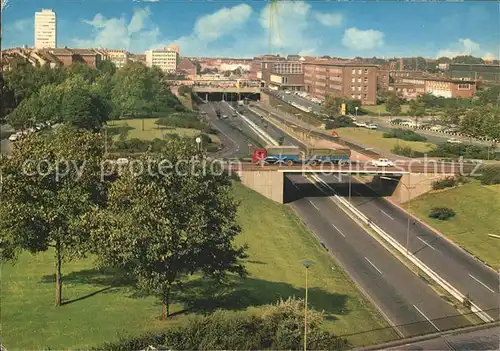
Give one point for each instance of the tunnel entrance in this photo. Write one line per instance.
(228, 96)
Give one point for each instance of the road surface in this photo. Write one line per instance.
(458, 268)
(404, 298)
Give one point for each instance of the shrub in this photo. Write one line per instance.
(490, 175)
(280, 327)
(404, 134)
(447, 150)
(442, 213)
(406, 151)
(448, 182)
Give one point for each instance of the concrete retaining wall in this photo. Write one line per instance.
(267, 183)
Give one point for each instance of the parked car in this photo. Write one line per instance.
(382, 162)
(13, 137)
(371, 126)
(454, 141)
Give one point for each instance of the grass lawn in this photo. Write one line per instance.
(186, 101)
(102, 307)
(375, 139)
(151, 130)
(477, 210)
(375, 109)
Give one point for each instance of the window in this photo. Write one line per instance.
(464, 86)
(359, 97)
(353, 80)
(366, 79)
(353, 71)
(359, 88)
(365, 88)
(359, 71)
(353, 96)
(359, 80)
(265, 65)
(365, 96)
(366, 70)
(353, 88)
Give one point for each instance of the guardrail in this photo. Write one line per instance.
(266, 137)
(412, 258)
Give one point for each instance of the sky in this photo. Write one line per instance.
(245, 28)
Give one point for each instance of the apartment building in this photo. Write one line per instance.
(410, 88)
(282, 74)
(45, 29)
(69, 56)
(165, 59)
(486, 73)
(356, 81)
(119, 57)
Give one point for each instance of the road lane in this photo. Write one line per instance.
(465, 273)
(391, 286)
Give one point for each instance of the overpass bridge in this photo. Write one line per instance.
(269, 180)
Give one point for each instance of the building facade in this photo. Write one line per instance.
(165, 59)
(69, 56)
(282, 74)
(346, 80)
(485, 73)
(45, 29)
(410, 88)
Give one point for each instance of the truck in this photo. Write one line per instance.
(241, 102)
(291, 155)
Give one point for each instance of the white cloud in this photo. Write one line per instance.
(211, 27)
(134, 35)
(465, 46)
(330, 19)
(22, 25)
(358, 39)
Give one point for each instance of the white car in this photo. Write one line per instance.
(382, 162)
(371, 126)
(13, 137)
(360, 124)
(454, 141)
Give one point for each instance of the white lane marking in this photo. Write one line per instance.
(480, 282)
(388, 215)
(337, 229)
(426, 243)
(428, 320)
(370, 262)
(312, 203)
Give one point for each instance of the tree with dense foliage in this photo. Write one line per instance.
(106, 67)
(167, 222)
(393, 104)
(50, 184)
(467, 59)
(417, 109)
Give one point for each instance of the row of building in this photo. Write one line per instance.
(361, 81)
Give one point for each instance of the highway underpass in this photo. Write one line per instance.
(222, 94)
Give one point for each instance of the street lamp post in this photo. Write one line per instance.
(408, 190)
(306, 263)
(356, 109)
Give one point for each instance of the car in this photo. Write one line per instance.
(371, 126)
(382, 162)
(454, 141)
(360, 124)
(224, 116)
(13, 137)
(234, 114)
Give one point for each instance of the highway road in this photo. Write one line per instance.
(235, 142)
(465, 273)
(404, 298)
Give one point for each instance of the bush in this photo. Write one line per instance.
(442, 213)
(454, 151)
(406, 151)
(448, 182)
(339, 122)
(404, 134)
(280, 327)
(490, 175)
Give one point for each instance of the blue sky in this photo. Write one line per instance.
(242, 28)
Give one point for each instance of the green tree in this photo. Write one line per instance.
(82, 109)
(472, 123)
(106, 67)
(168, 222)
(83, 70)
(393, 105)
(332, 106)
(467, 59)
(417, 109)
(124, 131)
(50, 184)
(49, 104)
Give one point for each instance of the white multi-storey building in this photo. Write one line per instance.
(119, 57)
(164, 59)
(45, 29)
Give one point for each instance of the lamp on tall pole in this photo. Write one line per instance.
(408, 190)
(306, 263)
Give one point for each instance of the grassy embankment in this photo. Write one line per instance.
(477, 208)
(376, 109)
(100, 307)
(375, 139)
(151, 130)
